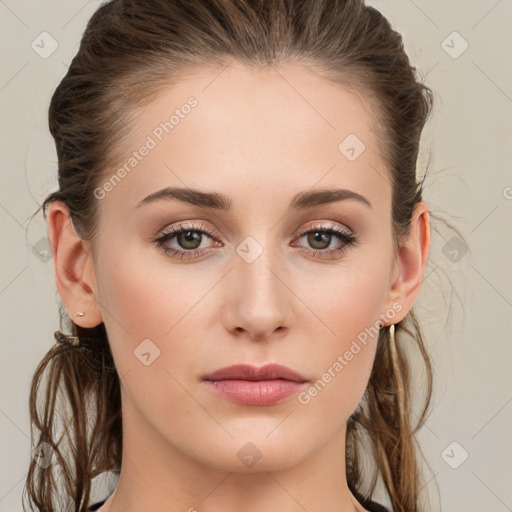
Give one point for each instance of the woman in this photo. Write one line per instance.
(239, 238)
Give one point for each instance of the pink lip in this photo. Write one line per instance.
(249, 385)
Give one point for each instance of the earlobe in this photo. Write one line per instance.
(74, 267)
(411, 261)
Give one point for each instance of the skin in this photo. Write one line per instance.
(260, 141)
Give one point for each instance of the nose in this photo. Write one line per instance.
(258, 303)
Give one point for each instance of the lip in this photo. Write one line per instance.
(249, 385)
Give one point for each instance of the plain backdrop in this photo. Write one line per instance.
(461, 50)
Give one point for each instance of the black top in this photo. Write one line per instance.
(372, 506)
(96, 506)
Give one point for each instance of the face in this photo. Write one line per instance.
(268, 278)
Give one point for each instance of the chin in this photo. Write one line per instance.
(255, 456)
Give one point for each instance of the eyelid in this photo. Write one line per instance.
(197, 225)
(331, 225)
(192, 225)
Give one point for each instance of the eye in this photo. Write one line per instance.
(320, 238)
(188, 236)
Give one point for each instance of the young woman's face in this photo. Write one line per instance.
(259, 274)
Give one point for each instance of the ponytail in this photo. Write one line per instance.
(384, 416)
(77, 380)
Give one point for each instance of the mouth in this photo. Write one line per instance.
(250, 385)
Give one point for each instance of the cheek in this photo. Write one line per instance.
(349, 307)
(144, 298)
(137, 304)
(142, 295)
(349, 302)
(143, 313)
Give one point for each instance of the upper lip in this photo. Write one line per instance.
(248, 372)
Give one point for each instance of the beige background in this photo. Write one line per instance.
(467, 323)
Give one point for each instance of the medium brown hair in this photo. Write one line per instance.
(131, 50)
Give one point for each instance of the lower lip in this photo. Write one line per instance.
(262, 392)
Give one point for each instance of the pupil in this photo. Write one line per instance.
(189, 238)
(321, 237)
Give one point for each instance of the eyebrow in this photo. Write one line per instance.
(216, 201)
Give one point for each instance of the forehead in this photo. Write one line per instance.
(279, 130)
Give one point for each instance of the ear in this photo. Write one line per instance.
(74, 267)
(410, 262)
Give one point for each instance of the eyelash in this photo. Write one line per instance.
(347, 238)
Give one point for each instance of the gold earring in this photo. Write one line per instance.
(392, 342)
(395, 362)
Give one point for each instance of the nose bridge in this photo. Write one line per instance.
(259, 301)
